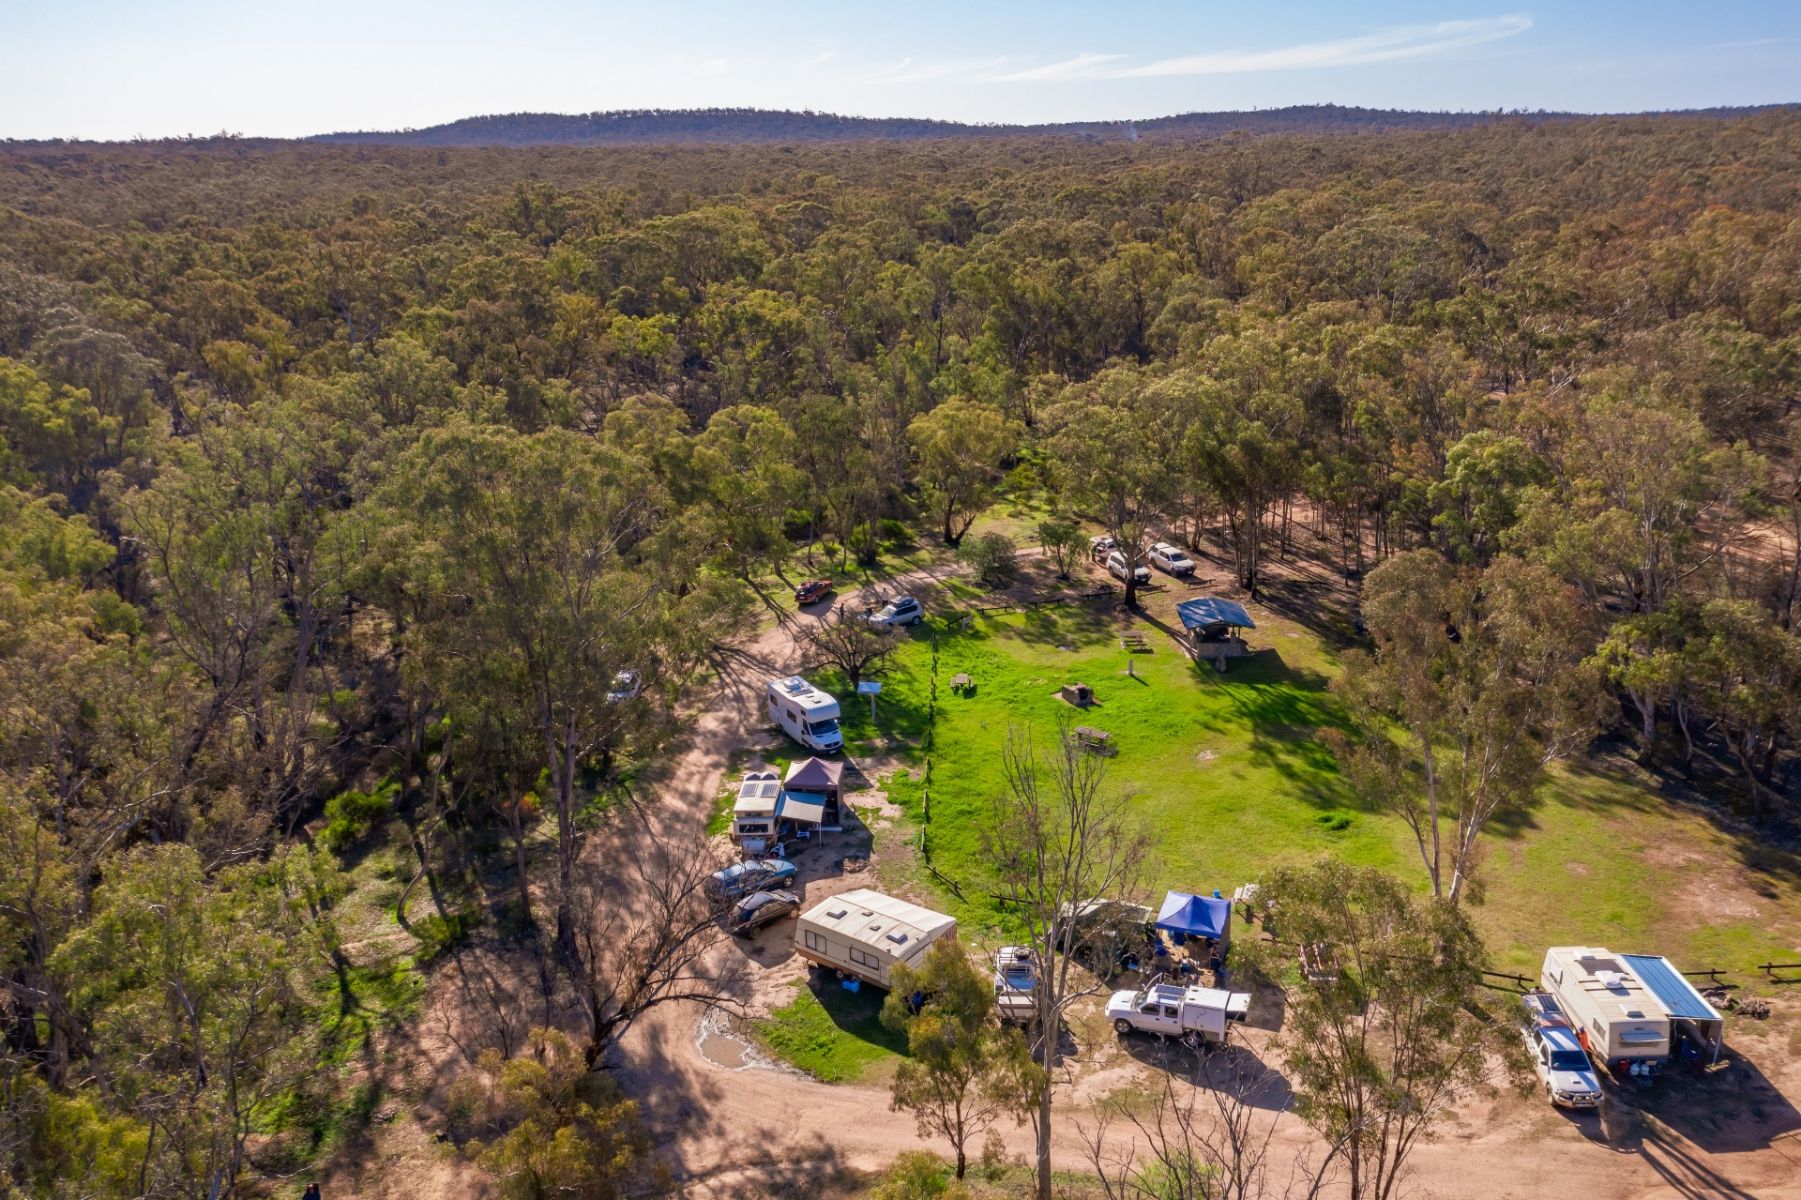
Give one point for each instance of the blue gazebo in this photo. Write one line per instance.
(1186, 915)
(1213, 624)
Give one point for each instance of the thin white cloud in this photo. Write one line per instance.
(1398, 44)
(1390, 45)
(1082, 66)
(1748, 44)
(910, 70)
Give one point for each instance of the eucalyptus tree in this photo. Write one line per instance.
(1109, 459)
(546, 565)
(1484, 674)
(958, 448)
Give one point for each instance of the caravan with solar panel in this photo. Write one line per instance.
(1631, 1012)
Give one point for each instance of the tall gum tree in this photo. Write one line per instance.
(1483, 675)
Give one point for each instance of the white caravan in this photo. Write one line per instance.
(863, 934)
(806, 714)
(1616, 1017)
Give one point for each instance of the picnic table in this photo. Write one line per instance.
(1132, 643)
(961, 680)
(1090, 738)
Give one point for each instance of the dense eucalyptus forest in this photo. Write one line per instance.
(341, 481)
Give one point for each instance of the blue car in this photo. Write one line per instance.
(759, 875)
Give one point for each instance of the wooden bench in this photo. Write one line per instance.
(1090, 738)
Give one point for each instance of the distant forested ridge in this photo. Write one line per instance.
(652, 126)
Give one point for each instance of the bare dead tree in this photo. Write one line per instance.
(1058, 838)
(848, 642)
(1208, 1138)
(649, 934)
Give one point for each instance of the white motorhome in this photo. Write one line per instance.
(806, 714)
(1616, 1017)
(863, 934)
(1193, 1014)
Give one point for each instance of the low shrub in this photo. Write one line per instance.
(350, 816)
(438, 933)
(992, 557)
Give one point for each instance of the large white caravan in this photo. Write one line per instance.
(1618, 1019)
(863, 934)
(808, 715)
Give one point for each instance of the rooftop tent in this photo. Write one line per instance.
(1195, 916)
(1210, 612)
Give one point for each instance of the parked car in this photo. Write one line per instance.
(754, 875)
(627, 685)
(1196, 1015)
(812, 591)
(1116, 567)
(1563, 1066)
(1016, 984)
(1171, 560)
(760, 909)
(902, 610)
(1100, 547)
(1111, 936)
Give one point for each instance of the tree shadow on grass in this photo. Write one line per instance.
(1284, 708)
(1605, 781)
(1319, 606)
(1077, 625)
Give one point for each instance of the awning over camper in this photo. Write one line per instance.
(1208, 612)
(803, 808)
(1677, 995)
(1195, 916)
(814, 775)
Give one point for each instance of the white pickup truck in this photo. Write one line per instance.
(1194, 1014)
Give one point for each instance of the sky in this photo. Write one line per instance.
(113, 69)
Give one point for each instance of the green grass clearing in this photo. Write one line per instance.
(1231, 775)
(833, 1035)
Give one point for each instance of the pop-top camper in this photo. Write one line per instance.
(808, 715)
(1616, 1017)
(862, 934)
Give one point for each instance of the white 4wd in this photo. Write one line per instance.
(1563, 1066)
(1195, 1014)
(1171, 560)
(1116, 567)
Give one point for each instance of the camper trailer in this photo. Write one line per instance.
(1617, 1018)
(863, 934)
(808, 715)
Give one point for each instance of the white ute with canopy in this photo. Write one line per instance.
(1195, 1014)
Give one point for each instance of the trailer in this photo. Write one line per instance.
(863, 934)
(1618, 1020)
(806, 714)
